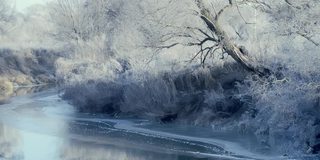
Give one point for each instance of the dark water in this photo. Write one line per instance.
(41, 126)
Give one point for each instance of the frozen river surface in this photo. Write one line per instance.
(41, 126)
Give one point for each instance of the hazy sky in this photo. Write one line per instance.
(23, 4)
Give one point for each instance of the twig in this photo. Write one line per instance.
(308, 38)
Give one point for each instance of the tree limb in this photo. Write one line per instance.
(308, 38)
(227, 45)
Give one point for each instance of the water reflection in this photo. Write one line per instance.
(17, 144)
(19, 91)
(27, 130)
(91, 151)
(41, 147)
(10, 143)
(23, 145)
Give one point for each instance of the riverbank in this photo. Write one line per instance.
(26, 67)
(6, 89)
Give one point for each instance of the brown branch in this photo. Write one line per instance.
(308, 38)
(170, 36)
(200, 51)
(201, 42)
(223, 9)
(304, 35)
(200, 30)
(212, 50)
(162, 47)
(209, 24)
(242, 16)
(255, 2)
(291, 5)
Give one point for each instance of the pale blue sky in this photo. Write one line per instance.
(23, 4)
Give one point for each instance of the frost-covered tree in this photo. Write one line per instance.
(70, 20)
(297, 18)
(208, 34)
(82, 19)
(220, 38)
(210, 31)
(86, 30)
(6, 14)
(85, 23)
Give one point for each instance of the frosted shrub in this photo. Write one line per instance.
(28, 66)
(287, 109)
(95, 96)
(152, 97)
(88, 60)
(72, 72)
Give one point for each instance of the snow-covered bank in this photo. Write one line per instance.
(6, 89)
(25, 68)
(280, 111)
(28, 66)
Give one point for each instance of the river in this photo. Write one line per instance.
(41, 126)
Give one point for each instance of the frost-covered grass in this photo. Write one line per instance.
(186, 93)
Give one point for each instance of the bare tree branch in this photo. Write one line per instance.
(308, 38)
(291, 5)
(227, 45)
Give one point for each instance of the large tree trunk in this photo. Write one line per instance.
(237, 53)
